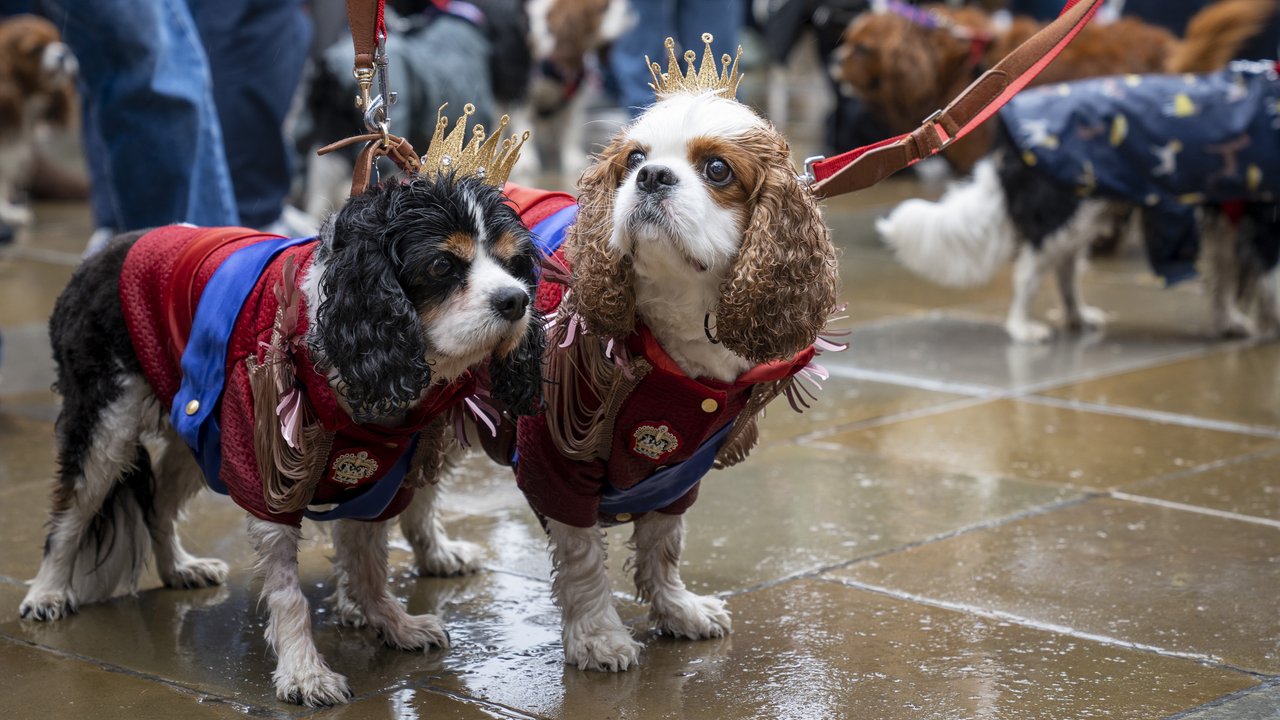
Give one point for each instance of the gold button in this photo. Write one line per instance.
(622, 517)
(193, 407)
(709, 405)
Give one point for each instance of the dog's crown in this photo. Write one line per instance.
(489, 159)
(695, 80)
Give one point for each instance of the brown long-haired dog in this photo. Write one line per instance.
(36, 88)
(905, 70)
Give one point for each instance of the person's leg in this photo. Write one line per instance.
(722, 18)
(655, 20)
(256, 50)
(157, 155)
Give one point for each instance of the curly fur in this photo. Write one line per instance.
(782, 288)
(516, 377)
(376, 289)
(603, 276)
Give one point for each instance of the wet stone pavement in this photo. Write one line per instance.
(962, 528)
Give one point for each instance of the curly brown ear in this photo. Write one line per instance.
(782, 287)
(602, 275)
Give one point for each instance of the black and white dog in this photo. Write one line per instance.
(1200, 154)
(408, 287)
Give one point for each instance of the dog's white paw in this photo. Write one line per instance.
(601, 649)
(693, 617)
(195, 573)
(313, 685)
(446, 558)
(1089, 318)
(1028, 331)
(1236, 325)
(415, 632)
(45, 605)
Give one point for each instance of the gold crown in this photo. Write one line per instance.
(700, 80)
(489, 159)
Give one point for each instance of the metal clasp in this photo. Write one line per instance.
(932, 122)
(808, 177)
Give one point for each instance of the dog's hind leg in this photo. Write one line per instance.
(97, 527)
(435, 553)
(593, 635)
(1076, 315)
(302, 676)
(1220, 240)
(178, 478)
(361, 559)
(1026, 283)
(658, 540)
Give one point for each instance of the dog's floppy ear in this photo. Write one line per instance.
(516, 377)
(603, 292)
(366, 327)
(782, 286)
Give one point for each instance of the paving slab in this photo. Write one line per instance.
(1260, 704)
(1249, 488)
(1169, 580)
(1045, 443)
(815, 649)
(843, 401)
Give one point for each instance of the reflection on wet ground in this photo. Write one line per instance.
(962, 528)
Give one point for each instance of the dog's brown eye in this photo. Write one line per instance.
(440, 267)
(717, 171)
(635, 158)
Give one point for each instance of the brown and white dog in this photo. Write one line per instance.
(36, 88)
(697, 247)
(906, 69)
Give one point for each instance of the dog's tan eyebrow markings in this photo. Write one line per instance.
(506, 246)
(461, 244)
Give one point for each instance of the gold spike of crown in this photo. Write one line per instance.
(488, 158)
(704, 79)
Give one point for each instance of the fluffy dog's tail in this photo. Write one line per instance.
(1216, 34)
(962, 239)
(117, 543)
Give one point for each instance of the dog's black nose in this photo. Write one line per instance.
(653, 178)
(510, 303)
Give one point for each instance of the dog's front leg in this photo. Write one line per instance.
(1026, 283)
(1076, 314)
(434, 552)
(593, 635)
(301, 675)
(658, 541)
(361, 560)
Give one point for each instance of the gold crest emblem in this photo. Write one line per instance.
(654, 441)
(351, 468)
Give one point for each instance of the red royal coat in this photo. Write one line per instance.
(662, 421)
(164, 275)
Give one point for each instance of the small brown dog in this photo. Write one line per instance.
(36, 89)
(905, 69)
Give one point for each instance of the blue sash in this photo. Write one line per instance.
(549, 234)
(666, 485)
(204, 376)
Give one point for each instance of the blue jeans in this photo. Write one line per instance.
(684, 20)
(170, 96)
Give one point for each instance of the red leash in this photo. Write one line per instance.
(863, 167)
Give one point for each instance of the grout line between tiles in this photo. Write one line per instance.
(1184, 507)
(1230, 697)
(938, 537)
(507, 710)
(39, 254)
(1004, 616)
(920, 383)
(240, 706)
(1164, 418)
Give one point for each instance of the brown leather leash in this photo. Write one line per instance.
(369, 37)
(865, 166)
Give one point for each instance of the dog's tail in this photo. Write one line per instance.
(962, 239)
(117, 543)
(1217, 33)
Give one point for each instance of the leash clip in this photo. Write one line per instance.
(808, 177)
